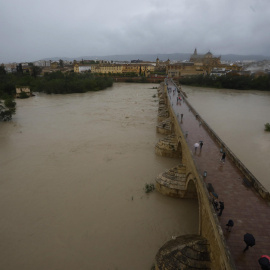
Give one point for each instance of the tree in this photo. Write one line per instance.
(61, 63)
(10, 103)
(36, 71)
(19, 69)
(23, 95)
(8, 110)
(2, 70)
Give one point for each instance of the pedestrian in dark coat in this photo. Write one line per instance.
(201, 145)
(221, 208)
(229, 225)
(223, 157)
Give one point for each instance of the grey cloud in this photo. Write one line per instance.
(33, 29)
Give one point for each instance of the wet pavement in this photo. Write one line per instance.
(250, 213)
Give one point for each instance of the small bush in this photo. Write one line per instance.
(24, 95)
(149, 188)
(267, 127)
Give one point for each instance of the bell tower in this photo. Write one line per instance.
(157, 62)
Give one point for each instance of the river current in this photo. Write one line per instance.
(73, 171)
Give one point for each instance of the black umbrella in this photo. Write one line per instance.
(249, 239)
(264, 262)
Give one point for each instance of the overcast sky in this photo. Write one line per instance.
(34, 29)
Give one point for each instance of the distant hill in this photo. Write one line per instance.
(237, 57)
(162, 57)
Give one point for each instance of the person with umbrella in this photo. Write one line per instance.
(229, 225)
(196, 145)
(221, 208)
(249, 240)
(264, 262)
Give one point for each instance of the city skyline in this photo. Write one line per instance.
(34, 30)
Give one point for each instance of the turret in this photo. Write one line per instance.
(157, 62)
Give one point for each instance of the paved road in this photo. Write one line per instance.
(250, 213)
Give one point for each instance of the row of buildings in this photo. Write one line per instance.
(197, 64)
(201, 64)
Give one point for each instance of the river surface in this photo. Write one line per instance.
(238, 118)
(73, 170)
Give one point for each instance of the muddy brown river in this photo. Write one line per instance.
(73, 171)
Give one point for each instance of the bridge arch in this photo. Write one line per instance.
(191, 187)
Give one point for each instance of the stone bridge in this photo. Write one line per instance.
(211, 248)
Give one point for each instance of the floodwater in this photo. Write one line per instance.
(238, 118)
(73, 169)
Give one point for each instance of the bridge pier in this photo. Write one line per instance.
(173, 183)
(165, 127)
(169, 147)
(184, 252)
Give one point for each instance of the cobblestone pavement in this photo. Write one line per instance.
(250, 213)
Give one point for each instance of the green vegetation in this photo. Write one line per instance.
(60, 83)
(7, 91)
(267, 127)
(50, 83)
(23, 95)
(55, 82)
(149, 188)
(229, 82)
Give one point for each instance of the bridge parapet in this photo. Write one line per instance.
(184, 181)
(249, 178)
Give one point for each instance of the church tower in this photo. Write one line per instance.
(157, 62)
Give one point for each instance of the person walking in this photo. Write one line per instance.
(249, 240)
(229, 225)
(196, 145)
(201, 145)
(221, 208)
(264, 262)
(223, 157)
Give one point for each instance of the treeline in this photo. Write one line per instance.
(7, 103)
(55, 82)
(229, 82)
(60, 83)
(50, 83)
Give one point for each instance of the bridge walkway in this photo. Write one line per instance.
(250, 213)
